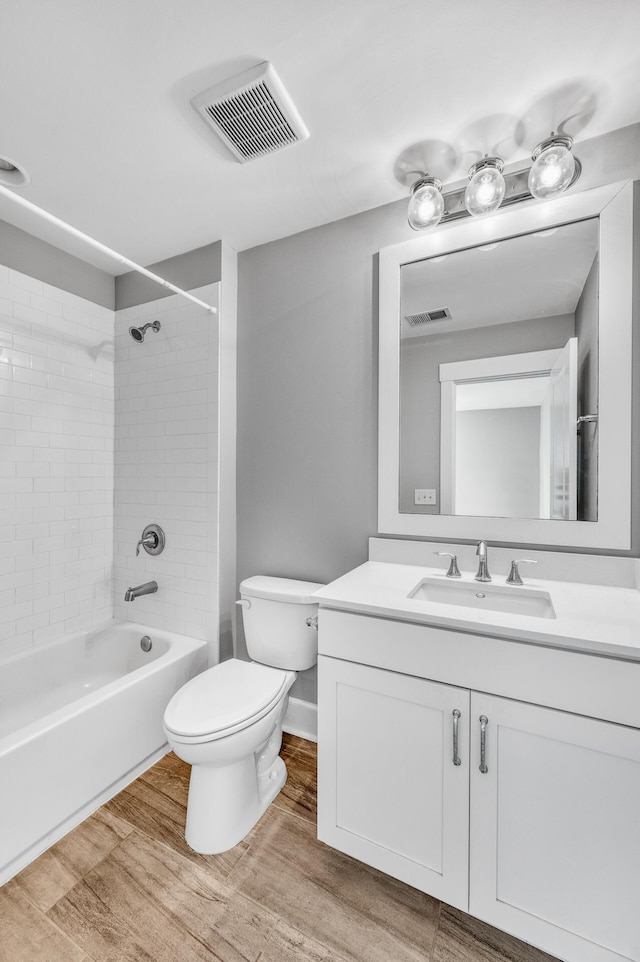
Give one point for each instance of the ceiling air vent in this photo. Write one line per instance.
(423, 317)
(252, 113)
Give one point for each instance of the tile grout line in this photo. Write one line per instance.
(287, 811)
(171, 916)
(25, 893)
(435, 932)
(336, 956)
(85, 955)
(334, 953)
(266, 816)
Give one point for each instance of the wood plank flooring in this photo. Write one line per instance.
(125, 887)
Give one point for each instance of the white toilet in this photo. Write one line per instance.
(227, 721)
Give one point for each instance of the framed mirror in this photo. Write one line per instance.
(505, 376)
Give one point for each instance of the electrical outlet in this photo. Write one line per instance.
(424, 495)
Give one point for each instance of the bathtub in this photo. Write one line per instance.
(79, 720)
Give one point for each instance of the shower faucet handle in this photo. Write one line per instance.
(152, 540)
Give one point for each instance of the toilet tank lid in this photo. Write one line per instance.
(279, 589)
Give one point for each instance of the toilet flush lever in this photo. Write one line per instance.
(244, 603)
(312, 622)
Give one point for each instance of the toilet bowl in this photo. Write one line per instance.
(227, 721)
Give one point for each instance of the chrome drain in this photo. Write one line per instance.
(146, 643)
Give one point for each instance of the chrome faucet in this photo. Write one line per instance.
(147, 589)
(483, 570)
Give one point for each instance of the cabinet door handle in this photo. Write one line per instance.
(456, 719)
(484, 721)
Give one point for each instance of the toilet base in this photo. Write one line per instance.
(225, 803)
(233, 779)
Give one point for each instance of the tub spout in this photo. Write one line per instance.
(147, 589)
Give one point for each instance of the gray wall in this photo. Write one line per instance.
(196, 268)
(420, 395)
(29, 255)
(498, 462)
(307, 401)
(307, 395)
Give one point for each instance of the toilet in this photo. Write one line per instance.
(227, 721)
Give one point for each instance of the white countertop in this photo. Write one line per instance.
(589, 618)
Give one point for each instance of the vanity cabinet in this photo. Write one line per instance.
(554, 829)
(390, 793)
(539, 834)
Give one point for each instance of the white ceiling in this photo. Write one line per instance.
(94, 103)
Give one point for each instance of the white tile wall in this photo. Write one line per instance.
(166, 463)
(56, 461)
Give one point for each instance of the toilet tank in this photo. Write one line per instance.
(274, 614)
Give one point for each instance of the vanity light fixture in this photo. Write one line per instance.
(554, 167)
(486, 187)
(554, 170)
(426, 206)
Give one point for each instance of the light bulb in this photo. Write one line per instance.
(553, 168)
(485, 190)
(426, 206)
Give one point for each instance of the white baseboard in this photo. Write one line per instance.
(301, 719)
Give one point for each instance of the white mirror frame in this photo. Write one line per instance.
(613, 204)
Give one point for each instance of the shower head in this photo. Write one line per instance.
(138, 333)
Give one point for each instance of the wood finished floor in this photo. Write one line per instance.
(125, 887)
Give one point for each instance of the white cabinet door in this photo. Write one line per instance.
(555, 830)
(389, 791)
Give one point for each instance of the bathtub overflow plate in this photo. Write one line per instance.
(146, 643)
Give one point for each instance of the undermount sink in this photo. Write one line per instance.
(531, 602)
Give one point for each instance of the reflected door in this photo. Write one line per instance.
(563, 437)
(508, 435)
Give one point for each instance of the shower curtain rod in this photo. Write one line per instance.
(6, 192)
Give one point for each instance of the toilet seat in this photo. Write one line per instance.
(224, 699)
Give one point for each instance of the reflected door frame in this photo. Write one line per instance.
(456, 373)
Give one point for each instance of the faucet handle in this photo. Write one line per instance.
(151, 541)
(514, 575)
(454, 571)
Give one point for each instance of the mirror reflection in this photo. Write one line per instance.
(499, 378)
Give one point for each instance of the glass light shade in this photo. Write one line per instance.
(426, 205)
(552, 171)
(485, 190)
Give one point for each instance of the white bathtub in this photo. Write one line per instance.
(79, 720)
